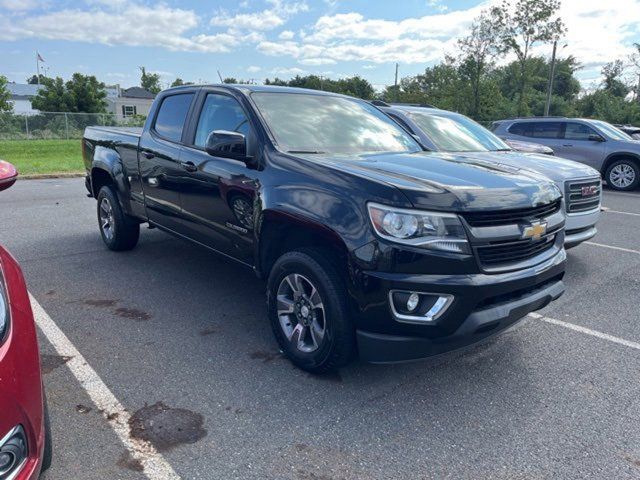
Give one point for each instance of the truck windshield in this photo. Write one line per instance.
(457, 133)
(308, 123)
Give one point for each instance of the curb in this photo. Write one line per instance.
(42, 176)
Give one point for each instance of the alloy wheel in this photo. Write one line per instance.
(622, 175)
(107, 222)
(301, 313)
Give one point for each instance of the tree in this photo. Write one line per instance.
(478, 51)
(177, 82)
(83, 93)
(528, 24)
(5, 105)
(33, 79)
(635, 61)
(150, 81)
(612, 73)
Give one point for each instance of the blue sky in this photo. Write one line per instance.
(256, 39)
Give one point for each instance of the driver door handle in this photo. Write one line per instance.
(189, 166)
(148, 154)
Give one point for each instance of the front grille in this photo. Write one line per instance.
(583, 195)
(510, 217)
(510, 251)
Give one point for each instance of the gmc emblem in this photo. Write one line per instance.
(589, 190)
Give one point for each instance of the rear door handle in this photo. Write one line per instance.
(189, 166)
(148, 154)
(567, 145)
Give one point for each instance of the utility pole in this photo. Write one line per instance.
(219, 75)
(395, 85)
(547, 105)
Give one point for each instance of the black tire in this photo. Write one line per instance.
(629, 165)
(337, 346)
(122, 232)
(47, 455)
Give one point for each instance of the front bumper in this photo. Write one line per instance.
(580, 227)
(484, 305)
(576, 237)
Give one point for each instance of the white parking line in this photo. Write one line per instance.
(155, 465)
(608, 210)
(628, 250)
(587, 331)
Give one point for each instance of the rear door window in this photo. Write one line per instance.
(172, 116)
(547, 130)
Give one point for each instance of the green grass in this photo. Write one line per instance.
(43, 156)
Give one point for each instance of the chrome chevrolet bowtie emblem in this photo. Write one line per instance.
(535, 230)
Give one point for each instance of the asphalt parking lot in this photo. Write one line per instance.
(178, 338)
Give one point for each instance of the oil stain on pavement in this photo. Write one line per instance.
(165, 427)
(48, 363)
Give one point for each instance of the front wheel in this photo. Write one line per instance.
(623, 175)
(308, 311)
(119, 231)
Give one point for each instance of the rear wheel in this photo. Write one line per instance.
(623, 174)
(308, 311)
(119, 231)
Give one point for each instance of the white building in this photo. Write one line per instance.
(122, 102)
(129, 102)
(21, 96)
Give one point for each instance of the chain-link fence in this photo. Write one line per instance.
(53, 125)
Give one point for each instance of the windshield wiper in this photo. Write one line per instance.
(305, 151)
(503, 150)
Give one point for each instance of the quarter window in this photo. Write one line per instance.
(220, 112)
(524, 129)
(172, 116)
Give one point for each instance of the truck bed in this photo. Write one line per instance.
(129, 131)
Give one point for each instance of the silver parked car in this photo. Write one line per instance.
(445, 131)
(599, 144)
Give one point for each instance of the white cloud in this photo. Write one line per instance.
(288, 71)
(317, 61)
(286, 35)
(19, 5)
(268, 19)
(135, 25)
(437, 5)
(253, 69)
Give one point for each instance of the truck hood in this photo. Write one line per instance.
(447, 181)
(555, 168)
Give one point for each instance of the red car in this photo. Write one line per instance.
(25, 440)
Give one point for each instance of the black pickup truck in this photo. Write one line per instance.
(370, 245)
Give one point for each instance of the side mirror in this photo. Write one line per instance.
(223, 143)
(8, 175)
(594, 137)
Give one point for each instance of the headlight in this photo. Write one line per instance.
(435, 230)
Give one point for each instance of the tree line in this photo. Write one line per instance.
(477, 81)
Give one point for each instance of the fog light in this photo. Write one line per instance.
(418, 307)
(412, 303)
(13, 453)
(6, 461)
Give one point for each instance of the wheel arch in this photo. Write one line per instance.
(107, 169)
(619, 156)
(281, 232)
